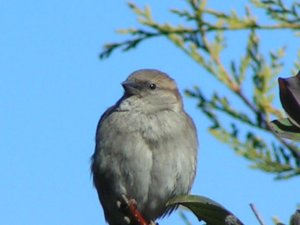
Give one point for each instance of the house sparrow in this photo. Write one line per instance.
(146, 148)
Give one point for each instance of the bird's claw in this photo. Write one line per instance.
(127, 219)
(153, 223)
(133, 215)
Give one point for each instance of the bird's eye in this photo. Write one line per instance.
(152, 86)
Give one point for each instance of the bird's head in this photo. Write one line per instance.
(153, 89)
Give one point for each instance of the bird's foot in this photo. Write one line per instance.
(129, 207)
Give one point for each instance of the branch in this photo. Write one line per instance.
(258, 217)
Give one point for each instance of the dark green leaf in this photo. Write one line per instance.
(295, 219)
(286, 129)
(206, 209)
(289, 92)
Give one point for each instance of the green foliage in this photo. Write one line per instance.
(204, 41)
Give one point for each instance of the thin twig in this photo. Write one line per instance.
(258, 217)
(184, 218)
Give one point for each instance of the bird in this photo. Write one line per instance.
(146, 148)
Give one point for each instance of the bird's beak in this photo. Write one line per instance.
(130, 87)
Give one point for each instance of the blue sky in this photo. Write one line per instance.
(54, 88)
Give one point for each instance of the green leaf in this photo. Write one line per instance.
(286, 129)
(206, 209)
